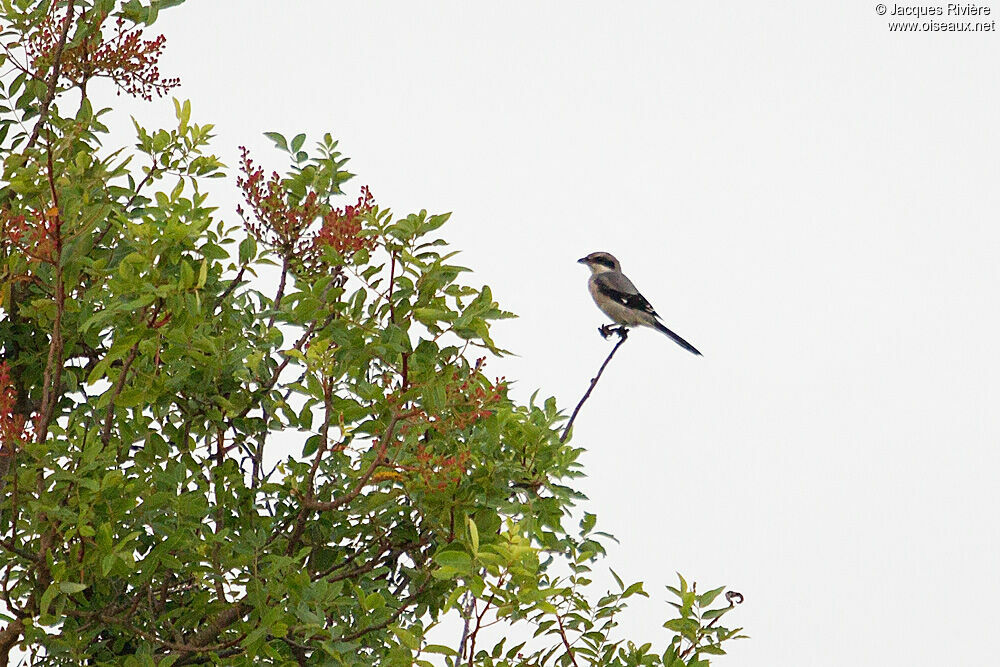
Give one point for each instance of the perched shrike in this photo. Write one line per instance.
(618, 298)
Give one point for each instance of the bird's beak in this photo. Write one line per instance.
(582, 260)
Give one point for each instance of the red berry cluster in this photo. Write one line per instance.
(341, 228)
(124, 56)
(276, 220)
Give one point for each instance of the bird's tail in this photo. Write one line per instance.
(677, 339)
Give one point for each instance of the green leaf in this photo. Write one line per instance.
(440, 649)
(47, 597)
(634, 589)
(312, 444)
(70, 587)
(297, 142)
(187, 275)
(458, 560)
(407, 638)
(183, 115)
(712, 649)
(707, 598)
(278, 139)
(202, 274)
(473, 536)
(248, 250)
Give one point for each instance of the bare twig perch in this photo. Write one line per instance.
(606, 331)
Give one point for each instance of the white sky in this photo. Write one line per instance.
(808, 198)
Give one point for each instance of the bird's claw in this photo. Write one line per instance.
(606, 331)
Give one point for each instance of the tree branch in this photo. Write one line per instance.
(623, 336)
(119, 385)
(562, 629)
(392, 619)
(310, 503)
(50, 92)
(281, 290)
(9, 637)
(52, 377)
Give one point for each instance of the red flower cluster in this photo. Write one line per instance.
(276, 221)
(34, 236)
(125, 57)
(282, 221)
(342, 227)
(13, 427)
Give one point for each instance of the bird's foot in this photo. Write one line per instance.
(607, 330)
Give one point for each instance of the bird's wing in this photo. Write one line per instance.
(618, 288)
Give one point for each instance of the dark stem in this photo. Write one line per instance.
(281, 290)
(52, 377)
(406, 603)
(383, 446)
(622, 337)
(467, 605)
(233, 284)
(479, 626)
(562, 629)
(119, 386)
(50, 92)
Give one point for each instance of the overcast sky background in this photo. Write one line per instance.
(808, 198)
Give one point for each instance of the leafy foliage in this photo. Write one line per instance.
(148, 515)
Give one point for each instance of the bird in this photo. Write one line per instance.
(619, 299)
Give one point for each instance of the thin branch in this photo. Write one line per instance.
(392, 619)
(383, 446)
(300, 521)
(52, 377)
(50, 92)
(269, 384)
(623, 336)
(14, 549)
(224, 619)
(180, 647)
(281, 290)
(562, 629)
(479, 626)
(467, 605)
(119, 385)
(234, 283)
